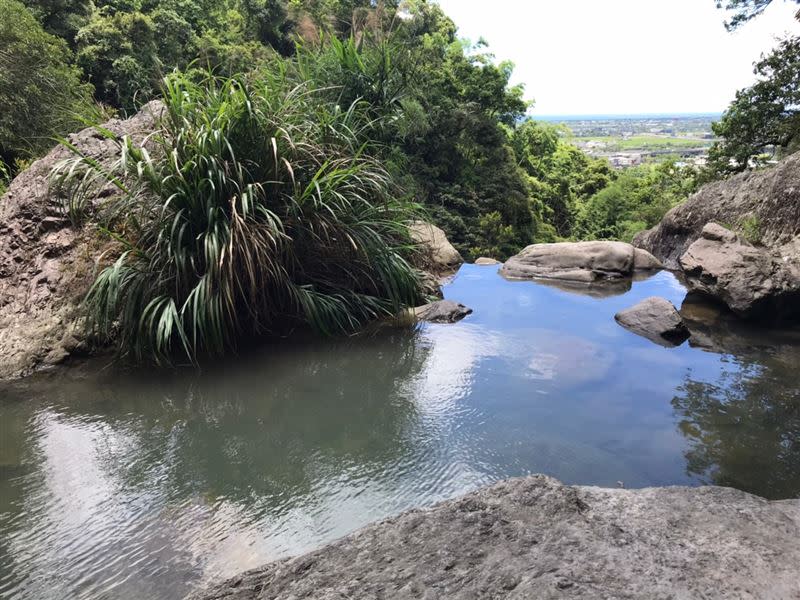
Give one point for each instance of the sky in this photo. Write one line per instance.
(622, 56)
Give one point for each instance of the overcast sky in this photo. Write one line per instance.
(622, 56)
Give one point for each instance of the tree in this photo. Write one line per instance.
(765, 114)
(62, 18)
(41, 95)
(745, 10)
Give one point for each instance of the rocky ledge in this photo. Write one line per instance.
(46, 264)
(538, 538)
(765, 202)
(753, 281)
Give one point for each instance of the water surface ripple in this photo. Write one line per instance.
(124, 486)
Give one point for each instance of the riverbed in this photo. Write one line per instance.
(131, 484)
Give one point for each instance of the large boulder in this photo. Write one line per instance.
(46, 264)
(579, 262)
(767, 200)
(655, 319)
(438, 254)
(753, 281)
(538, 538)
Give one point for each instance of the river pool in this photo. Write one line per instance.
(145, 485)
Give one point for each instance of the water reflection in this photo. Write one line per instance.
(128, 488)
(143, 485)
(744, 428)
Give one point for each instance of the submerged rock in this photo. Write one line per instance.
(655, 319)
(753, 281)
(438, 254)
(579, 262)
(46, 264)
(443, 311)
(538, 538)
(767, 202)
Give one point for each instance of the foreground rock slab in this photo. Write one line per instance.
(655, 319)
(579, 262)
(753, 281)
(46, 264)
(537, 538)
(442, 311)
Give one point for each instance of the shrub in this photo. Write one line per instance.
(255, 209)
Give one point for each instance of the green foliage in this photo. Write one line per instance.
(561, 176)
(763, 115)
(499, 238)
(41, 96)
(636, 200)
(750, 228)
(744, 10)
(257, 208)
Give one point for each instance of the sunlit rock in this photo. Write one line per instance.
(538, 538)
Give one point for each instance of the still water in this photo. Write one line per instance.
(139, 485)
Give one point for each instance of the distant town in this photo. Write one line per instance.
(629, 140)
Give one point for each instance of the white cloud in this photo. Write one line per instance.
(622, 56)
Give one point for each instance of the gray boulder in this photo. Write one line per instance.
(578, 262)
(486, 261)
(655, 319)
(537, 538)
(767, 200)
(442, 311)
(753, 281)
(437, 253)
(46, 264)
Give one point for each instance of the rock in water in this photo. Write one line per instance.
(537, 538)
(46, 264)
(578, 262)
(484, 261)
(753, 281)
(443, 311)
(768, 199)
(439, 255)
(655, 319)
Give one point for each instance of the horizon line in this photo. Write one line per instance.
(701, 113)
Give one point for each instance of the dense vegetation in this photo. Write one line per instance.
(254, 209)
(378, 111)
(452, 131)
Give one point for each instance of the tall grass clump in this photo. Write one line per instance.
(254, 209)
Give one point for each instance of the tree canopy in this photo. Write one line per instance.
(745, 10)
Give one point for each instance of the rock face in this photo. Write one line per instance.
(439, 255)
(770, 199)
(46, 264)
(443, 311)
(753, 281)
(578, 262)
(655, 319)
(537, 538)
